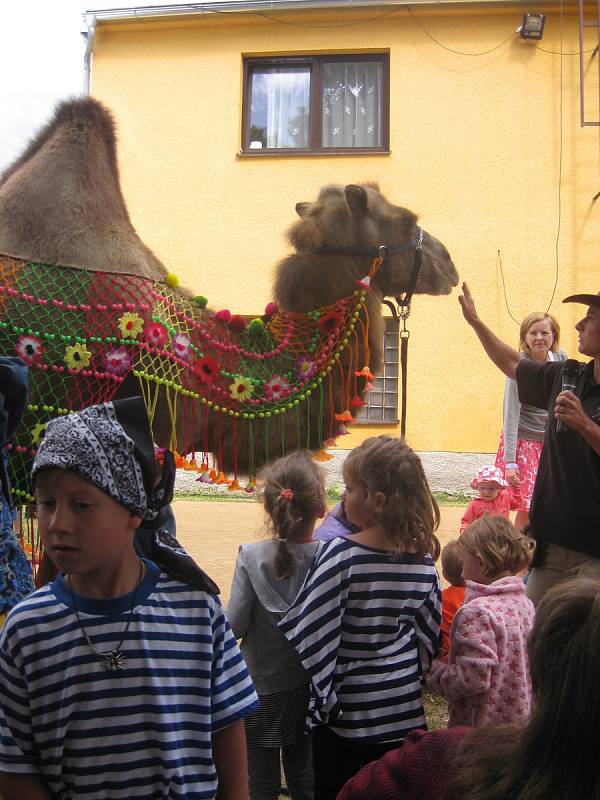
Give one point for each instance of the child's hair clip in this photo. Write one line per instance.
(287, 495)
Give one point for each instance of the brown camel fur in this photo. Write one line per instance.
(61, 204)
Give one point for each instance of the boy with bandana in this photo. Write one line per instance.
(117, 680)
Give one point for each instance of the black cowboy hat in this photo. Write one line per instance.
(586, 299)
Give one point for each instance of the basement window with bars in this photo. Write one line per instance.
(382, 402)
(316, 104)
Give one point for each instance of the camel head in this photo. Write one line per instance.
(356, 216)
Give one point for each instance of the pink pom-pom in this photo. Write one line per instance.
(270, 309)
(223, 316)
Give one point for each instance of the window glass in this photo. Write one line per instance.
(279, 107)
(352, 93)
(382, 402)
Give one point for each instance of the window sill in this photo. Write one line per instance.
(379, 422)
(303, 153)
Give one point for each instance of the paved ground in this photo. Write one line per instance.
(212, 531)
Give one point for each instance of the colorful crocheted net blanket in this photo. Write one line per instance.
(82, 333)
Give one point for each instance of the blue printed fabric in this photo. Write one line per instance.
(16, 578)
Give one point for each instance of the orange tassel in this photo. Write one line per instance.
(221, 478)
(365, 372)
(322, 455)
(346, 416)
(356, 402)
(234, 486)
(213, 475)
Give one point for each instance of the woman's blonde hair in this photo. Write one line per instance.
(292, 490)
(531, 319)
(410, 514)
(501, 547)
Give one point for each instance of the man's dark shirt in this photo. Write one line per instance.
(565, 508)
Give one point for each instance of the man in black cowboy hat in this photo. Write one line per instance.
(565, 508)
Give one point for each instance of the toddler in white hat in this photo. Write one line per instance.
(495, 496)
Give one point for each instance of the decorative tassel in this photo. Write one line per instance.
(345, 416)
(250, 486)
(234, 486)
(365, 282)
(342, 431)
(322, 455)
(221, 479)
(365, 372)
(212, 475)
(368, 387)
(356, 402)
(329, 442)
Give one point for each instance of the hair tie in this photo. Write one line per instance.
(287, 495)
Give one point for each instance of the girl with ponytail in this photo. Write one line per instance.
(268, 576)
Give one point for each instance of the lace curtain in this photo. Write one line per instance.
(352, 104)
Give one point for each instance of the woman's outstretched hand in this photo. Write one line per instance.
(468, 306)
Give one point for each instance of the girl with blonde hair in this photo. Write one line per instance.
(486, 677)
(366, 622)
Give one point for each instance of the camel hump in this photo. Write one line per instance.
(61, 202)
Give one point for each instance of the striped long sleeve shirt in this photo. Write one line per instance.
(366, 625)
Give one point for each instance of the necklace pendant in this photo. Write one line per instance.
(112, 660)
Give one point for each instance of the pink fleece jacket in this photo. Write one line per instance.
(486, 679)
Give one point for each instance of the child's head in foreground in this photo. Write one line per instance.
(489, 482)
(452, 563)
(386, 487)
(492, 548)
(293, 495)
(94, 480)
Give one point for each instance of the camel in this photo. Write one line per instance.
(96, 315)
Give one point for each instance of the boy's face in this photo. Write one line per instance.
(488, 490)
(83, 529)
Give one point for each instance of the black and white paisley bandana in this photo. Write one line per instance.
(94, 444)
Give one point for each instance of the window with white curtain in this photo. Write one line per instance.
(316, 104)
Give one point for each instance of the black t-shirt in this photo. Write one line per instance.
(565, 508)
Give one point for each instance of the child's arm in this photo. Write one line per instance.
(468, 516)
(231, 762)
(22, 787)
(427, 626)
(473, 654)
(241, 600)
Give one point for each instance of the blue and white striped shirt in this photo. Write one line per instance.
(365, 625)
(142, 732)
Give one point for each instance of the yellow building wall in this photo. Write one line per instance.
(477, 149)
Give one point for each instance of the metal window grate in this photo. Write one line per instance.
(382, 402)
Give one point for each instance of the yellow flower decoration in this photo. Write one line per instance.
(131, 325)
(241, 388)
(77, 356)
(37, 431)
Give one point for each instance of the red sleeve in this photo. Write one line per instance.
(468, 516)
(419, 770)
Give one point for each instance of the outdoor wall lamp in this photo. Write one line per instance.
(532, 27)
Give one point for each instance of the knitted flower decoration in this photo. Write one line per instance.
(155, 334)
(206, 369)
(330, 322)
(77, 356)
(241, 389)
(276, 388)
(117, 361)
(29, 348)
(131, 325)
(181, 345)
(305, 367)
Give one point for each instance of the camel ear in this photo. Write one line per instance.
(356, 197)
(302, 209)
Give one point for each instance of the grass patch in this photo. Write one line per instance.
(436, 710)
(333, 494)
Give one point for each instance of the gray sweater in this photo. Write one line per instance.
(258, 601)
(520, 420)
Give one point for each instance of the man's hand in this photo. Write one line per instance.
(568, 408)
(468, 305)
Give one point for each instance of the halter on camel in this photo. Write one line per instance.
(381, 256)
